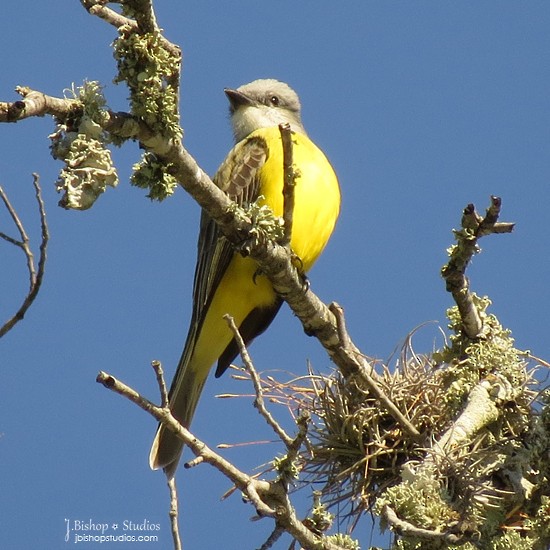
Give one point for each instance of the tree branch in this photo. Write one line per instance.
(274, 260)
(174, 512)
(289, 183)
(98, 8)
(408, 529)
(473, 228)
(35, 277)
(259, 401)
(35, 104)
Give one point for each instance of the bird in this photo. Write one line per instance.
(227, 282)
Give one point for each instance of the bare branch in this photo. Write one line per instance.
(157, 367)
(35, 277)
(289, 182)
(171, 482)
(24, 242)
(259, 401)
(197, 447)
(473, 228)
(273, 538)
(35, 104)
(98, 8)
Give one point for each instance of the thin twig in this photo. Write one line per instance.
(44, 233)
(261, 507)
(165, 416)
(23, 243)
(289, 182)
(171, 481)
(193, 462)
(98, 8)
(273, 538)
(35, 277)
(338, 312)
(259, 401)
(294, 448)
(157, 367)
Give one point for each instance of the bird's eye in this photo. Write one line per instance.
(274, 100)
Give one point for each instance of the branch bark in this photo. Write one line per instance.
(289, 183)
(474, 227)
(35, 277)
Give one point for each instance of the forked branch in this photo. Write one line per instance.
(23, 242)
(473, 228)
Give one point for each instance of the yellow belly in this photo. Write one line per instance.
(237, 294)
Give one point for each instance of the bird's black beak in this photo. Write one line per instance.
(236, 98)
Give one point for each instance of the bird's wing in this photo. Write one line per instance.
(238, 176)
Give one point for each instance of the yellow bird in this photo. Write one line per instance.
(227, 282)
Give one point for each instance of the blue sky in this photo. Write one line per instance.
(422, 107)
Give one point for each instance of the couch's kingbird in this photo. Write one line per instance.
(227, 282)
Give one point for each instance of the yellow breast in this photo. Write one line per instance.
(317, 193)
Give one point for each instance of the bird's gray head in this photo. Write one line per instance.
(261, 104)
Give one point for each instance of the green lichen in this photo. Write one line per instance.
(539, 525)
(151, 72)
(286, 467)
(265, 225)
(320, 520)
(510, 540)
(93, 101)
(153, 174)
(87, 173)
(421, 500)
(81, 143)
(343, 541)
(467, 361)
